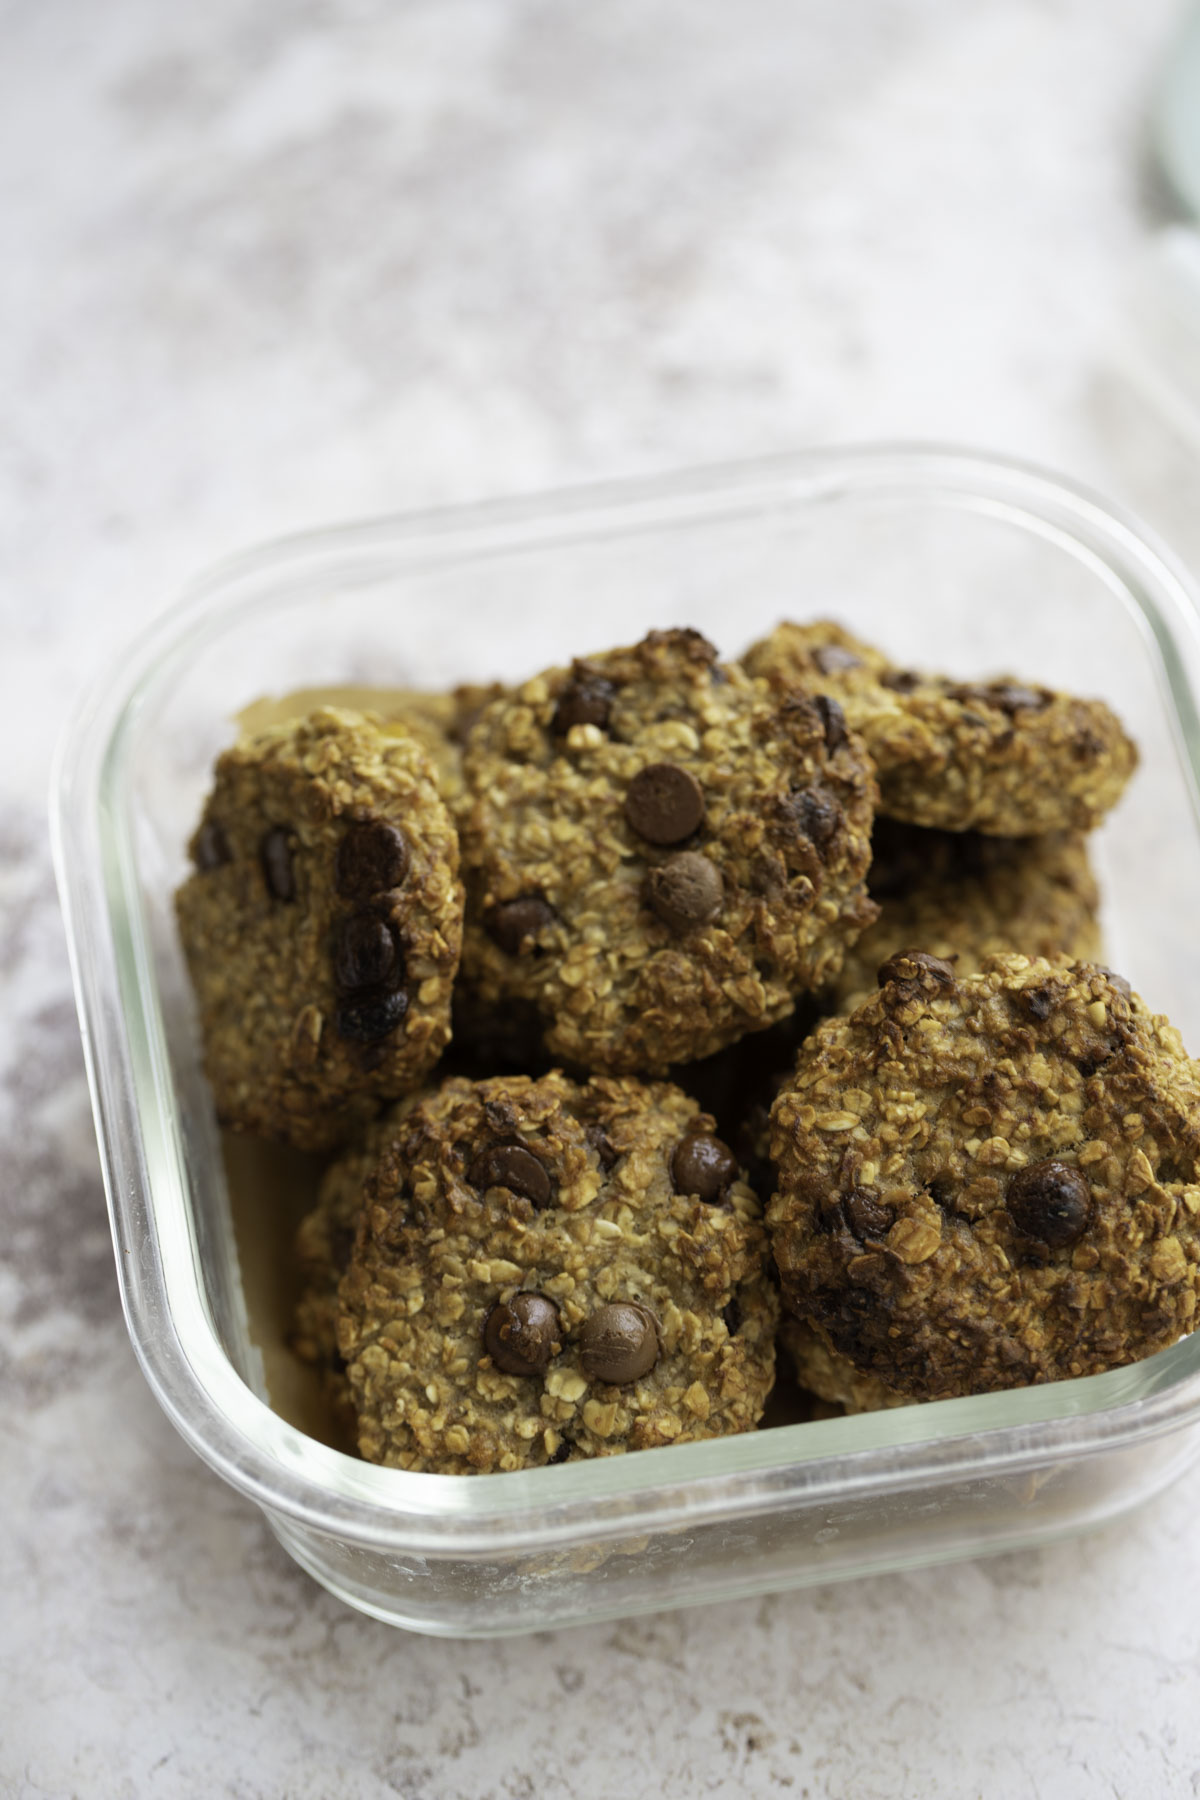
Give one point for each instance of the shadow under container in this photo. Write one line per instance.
(951, 561)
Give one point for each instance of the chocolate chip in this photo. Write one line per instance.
(731, 1316)
(275, 854)
(371, 858)
(606, 1151)
(916, 970)
(686, 890)
(900, 681)
(371, 1016)
(365, 953)
(866, 1214)
(1012, 697)
(817, 814)
(587, 700)
(831, 659)
(703, 1165)
(560, 1455)
(664, 804)
(1117, 981)
(833, 720)
(619, 1343)
(1050, 1201)
(514, 923)
(1039, 1002)
(514, 1167)
(211, 847)
(521, 1335)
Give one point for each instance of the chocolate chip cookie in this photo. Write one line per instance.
(999, 756)
(322, 926)
(990, 1181)
(963, 896)
(661, 853)
(547, 1271)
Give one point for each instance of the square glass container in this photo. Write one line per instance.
(948, 560)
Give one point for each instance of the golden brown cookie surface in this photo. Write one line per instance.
(997, 756)
(322, 925)
(661, 854)
(546, 1271)
(991, 1181)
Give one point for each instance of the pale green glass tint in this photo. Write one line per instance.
(952, 561)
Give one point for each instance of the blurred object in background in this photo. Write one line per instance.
(1176, 124)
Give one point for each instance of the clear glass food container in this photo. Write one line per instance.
(954, 561)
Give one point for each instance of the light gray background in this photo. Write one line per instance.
(265, 265)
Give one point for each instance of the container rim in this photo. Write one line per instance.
(141, 1150)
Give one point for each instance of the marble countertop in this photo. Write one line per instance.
(271, 266)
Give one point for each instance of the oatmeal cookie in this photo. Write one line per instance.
(546, 1271)
(820, 1370)
(997, 756)
(322, 926)
(661, 854)
(963, 895)
(990, 1181)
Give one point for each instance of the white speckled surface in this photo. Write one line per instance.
(270, 265)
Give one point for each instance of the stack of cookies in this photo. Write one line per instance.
(657, 997)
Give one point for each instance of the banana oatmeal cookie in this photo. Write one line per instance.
(322, 926)
(546, 1271)
(820, 1370)
(661, 853)
(962, 895)
(990, 1181)
(997, 756)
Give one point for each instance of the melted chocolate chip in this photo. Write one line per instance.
(831, 659)
(1039, 1002)
(703, 1165)
(619, 1343)
(664, 804)
(866, 1214)
(685, 891)
(275, 854)
(371, 858)
(514, 1167)
(1050, 1201)
(731, 1316)
(1012, 697)
(833, 720)
(606, 1152)
(586, 700)
(560, 1455)
(365, 953)
(1115, 980)
(817, 814)
(514, 923)
(211, 848)
(522, 1335)
(370, 1017)
(916, 971)
(900, 681)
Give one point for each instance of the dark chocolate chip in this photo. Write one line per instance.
(514, 923)
(685, 891)
(607, 1153)
(817, 814)
(1115, 980)
(691, 645)
(900, 681)
(370, 1017)
(211, 848)
(619, 1343)
(371, 858)
(664, 804)
(365, 953)
(917, 970)
(831, 659)
(867, 1215)
(833, 719)
(1050, 1201)
(1012, 697)
(703, 1165)
(1039, 1002)
(586, 700)
(275, 854)
(522, 1335)
(514, 1167)
(560, 1455)
(731, 1316)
